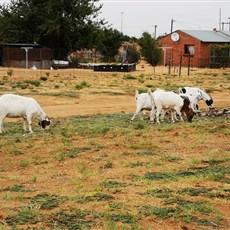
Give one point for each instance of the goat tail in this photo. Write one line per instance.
(136, 93)
(151, 95)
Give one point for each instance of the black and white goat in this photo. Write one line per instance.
(15, 106)
(196, 94)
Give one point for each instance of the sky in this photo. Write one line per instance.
(133, 17)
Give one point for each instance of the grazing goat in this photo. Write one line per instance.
(198, 95)
(143, 102)
(169, 100)
(193, 100)
(14, 106)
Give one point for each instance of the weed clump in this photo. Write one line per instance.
(82, 85)
(10, 72)
(47, 201)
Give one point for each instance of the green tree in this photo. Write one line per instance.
(133, 55)
(111, 41)
(130, 53)
(149, 49)
(63, 25)
(220, 56)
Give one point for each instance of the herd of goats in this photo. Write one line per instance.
(158, 103)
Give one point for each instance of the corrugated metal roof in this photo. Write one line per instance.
(226, 32)
(22, 45)
(209, 36)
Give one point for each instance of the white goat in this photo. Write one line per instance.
(14, 106)
(143, 101)
(169, 100)
(197, 95)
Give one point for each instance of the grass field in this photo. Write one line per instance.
(93, 169)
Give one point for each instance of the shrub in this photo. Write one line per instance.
(35, 83)
(82, 85)
(10, 72)
(43, 78)
(130, 77)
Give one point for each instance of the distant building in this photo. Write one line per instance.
(182, 45)
(25, 55)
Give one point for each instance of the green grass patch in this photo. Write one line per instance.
(213, 172)
(34, 83)
(94, 198)
(16, 188)
(123, 217)
(82, 85)
(112, 184)
(147, 153)
(71, 153)
(185, 210)
(70, 219)
(220, 128)
(160, 212)
(129, 77)
(47, 201)
(159, 192)
(24, 215)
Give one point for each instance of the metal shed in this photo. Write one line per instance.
(25, 56)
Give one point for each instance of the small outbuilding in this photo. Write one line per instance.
(191, 46)
(25, 56)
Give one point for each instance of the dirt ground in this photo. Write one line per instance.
(114, 156)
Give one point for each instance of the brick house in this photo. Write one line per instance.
(183, 46)
(25, 56)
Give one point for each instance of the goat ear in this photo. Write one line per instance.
(183, 90)
(197, 107)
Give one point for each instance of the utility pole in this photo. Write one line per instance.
(122, 13)
(220, 19)
(155, 32)
(172, 21)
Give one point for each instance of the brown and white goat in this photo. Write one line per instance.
(162, 100)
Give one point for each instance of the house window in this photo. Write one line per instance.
(189, 49)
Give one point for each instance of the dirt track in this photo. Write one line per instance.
(92, 104)
(87, 104)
